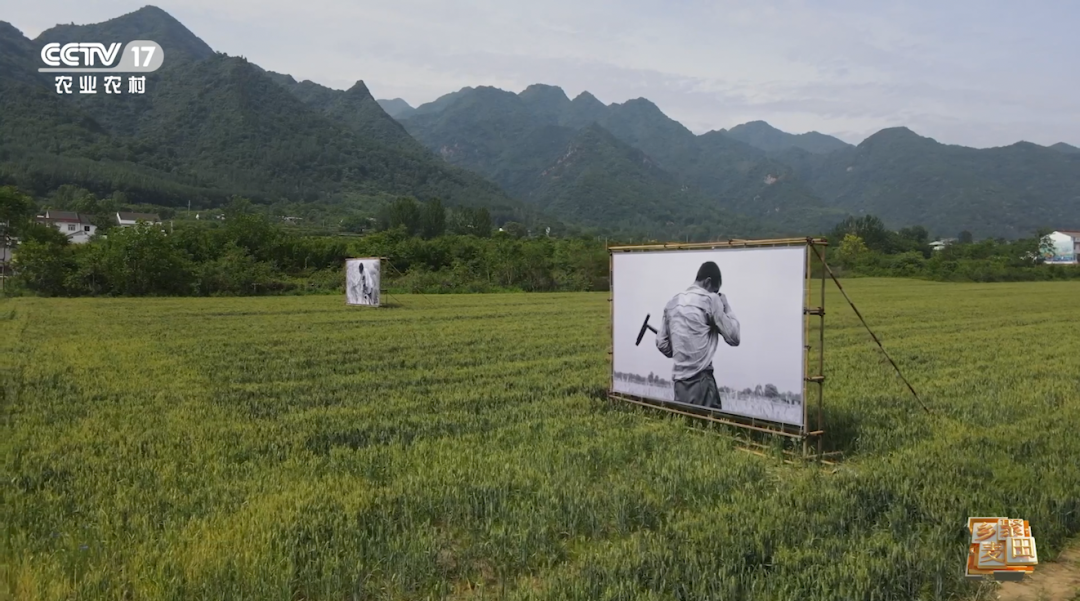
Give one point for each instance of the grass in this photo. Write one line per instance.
(459, 447)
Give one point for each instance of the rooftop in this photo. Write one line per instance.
(151, 217)
(65, 217)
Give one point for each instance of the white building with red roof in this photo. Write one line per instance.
(75, 226)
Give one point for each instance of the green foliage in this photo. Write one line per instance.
(515, 230)
(43, 267)
(235, 272)
(16, 212)
(867, 228)
(247, 254)
(432, 219)
(139, 260)
(402, 213)
(466, 221)
(852, 248)
(985, 261)
(44, 234)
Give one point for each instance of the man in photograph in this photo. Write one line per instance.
(370, 285)
(361, 289)
(694, 320)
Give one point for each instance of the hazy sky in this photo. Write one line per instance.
(973, 72)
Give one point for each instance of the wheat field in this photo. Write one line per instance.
(459, 447)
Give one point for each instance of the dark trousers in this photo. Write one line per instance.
(698, 390)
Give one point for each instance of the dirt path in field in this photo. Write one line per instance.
(1052, 581)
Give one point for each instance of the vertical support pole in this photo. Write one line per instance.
(806, 345)
(611, 317)
(821, 359)
(382, 272)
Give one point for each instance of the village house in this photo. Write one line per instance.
(130, 219)
(1063, 247)
(940, 244)
(76, 227)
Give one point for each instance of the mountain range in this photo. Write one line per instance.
(791, 182)
(624, 164)
(211, 126)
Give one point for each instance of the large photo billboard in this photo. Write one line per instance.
(717, 329)
(362, 281)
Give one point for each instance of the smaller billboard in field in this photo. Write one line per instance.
(362, 282)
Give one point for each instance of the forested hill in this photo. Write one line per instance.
(908, 179)
(699, 185)
(210, 126)
(787, 183)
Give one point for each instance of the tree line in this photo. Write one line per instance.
(427, 249)
(863, 246)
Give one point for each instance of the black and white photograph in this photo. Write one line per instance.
(362, 282)
(719, 329)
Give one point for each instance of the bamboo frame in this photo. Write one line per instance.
(611, 319)
(800, 434)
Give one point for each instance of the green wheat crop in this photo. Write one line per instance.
(460, 447)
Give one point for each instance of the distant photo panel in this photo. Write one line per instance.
(362, 281)
(719, 329)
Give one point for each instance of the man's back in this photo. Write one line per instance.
(693, 321)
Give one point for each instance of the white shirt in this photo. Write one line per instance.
(360, 290)
(688, 332)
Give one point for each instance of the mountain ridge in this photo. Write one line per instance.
(210, 126)
(396, 107)
(908, 179)
(491, 131)
(763, 136)
(148, 22)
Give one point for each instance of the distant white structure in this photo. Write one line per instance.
(130, 219)
(940, 244)
(76, 227)
(1063, 247)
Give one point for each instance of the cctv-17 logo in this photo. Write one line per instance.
(140, 56)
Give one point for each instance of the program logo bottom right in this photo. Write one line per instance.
(1000, 548)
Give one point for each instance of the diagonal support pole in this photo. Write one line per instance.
(872, 335)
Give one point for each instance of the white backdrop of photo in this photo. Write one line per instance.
(362, 285)
(762, 378)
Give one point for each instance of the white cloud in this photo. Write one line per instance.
(977, 73)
